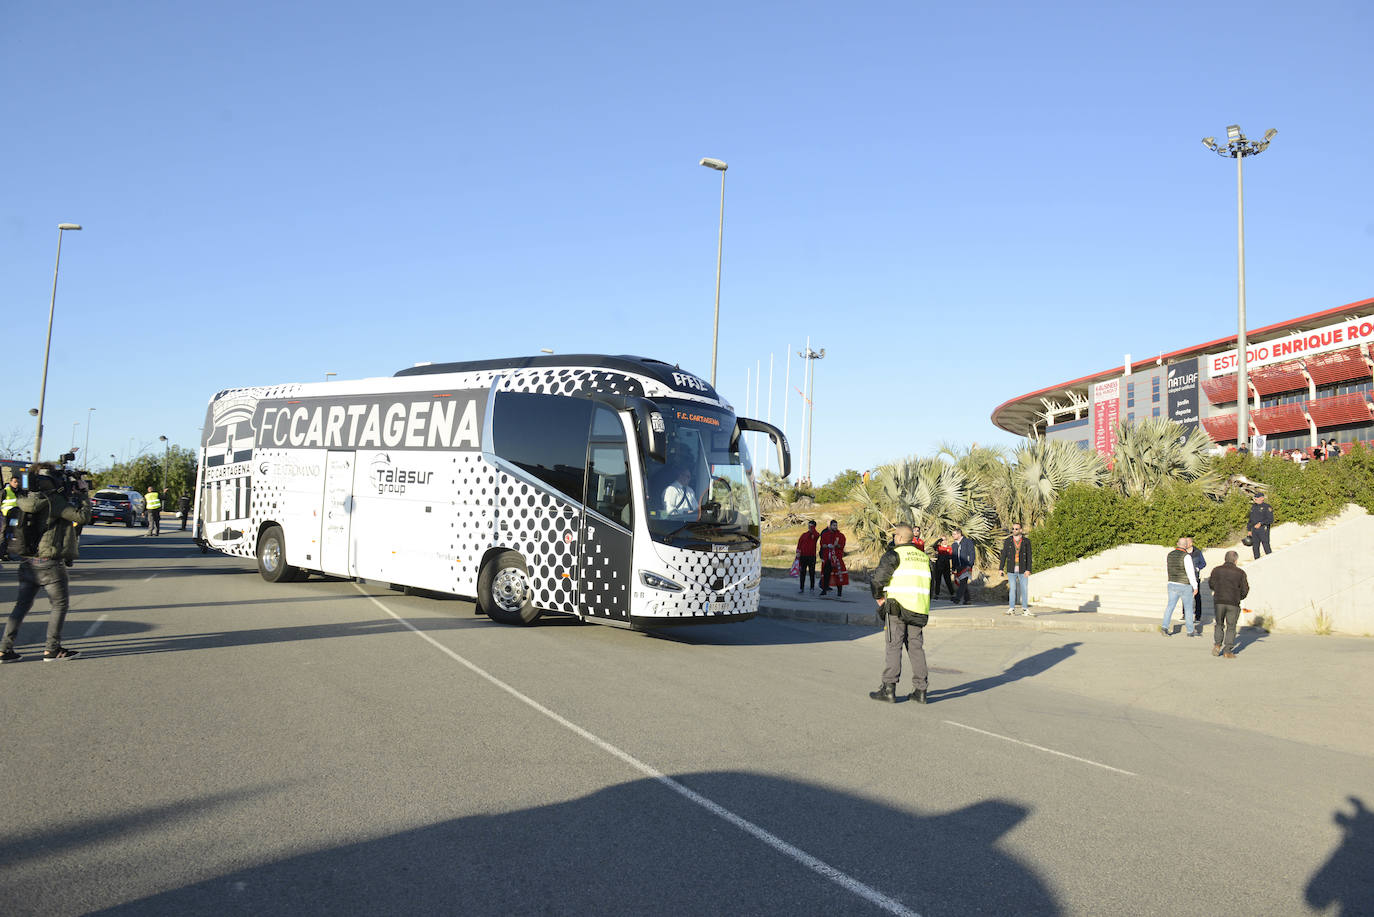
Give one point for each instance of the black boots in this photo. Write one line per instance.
(885, 693)
(919, 695)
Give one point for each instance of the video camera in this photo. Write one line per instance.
(71, 482)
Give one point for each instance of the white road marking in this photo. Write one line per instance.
(95, 625)
(817, 866)
(1061, 754)
(151, 578)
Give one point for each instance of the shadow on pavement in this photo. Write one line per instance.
(102, 645)
(642, 848)
(1025, 668)
(1347, 878)
(754, 632)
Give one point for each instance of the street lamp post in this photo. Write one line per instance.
(1237, 147)
(52, 305)
(809, 354)
(720, 167)
(327, 375)
(86, 449)
(75, 424)
(165, 447)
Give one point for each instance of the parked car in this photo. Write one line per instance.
(118, 505)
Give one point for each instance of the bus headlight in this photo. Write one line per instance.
(654, 581)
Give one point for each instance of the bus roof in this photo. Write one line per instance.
(644, 366)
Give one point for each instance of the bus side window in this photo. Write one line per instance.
(545, 436)
(608, 470)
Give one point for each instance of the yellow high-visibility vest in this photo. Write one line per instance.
(152, 500)
(910, 583)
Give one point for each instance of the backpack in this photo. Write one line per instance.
(28, 531)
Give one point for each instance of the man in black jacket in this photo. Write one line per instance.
(1015, 562)
(1261, 518)
(1229, 586)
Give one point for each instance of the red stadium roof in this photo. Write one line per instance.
(1018, 414)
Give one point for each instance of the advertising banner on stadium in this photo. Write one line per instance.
(1106, 413)
(1344, 333)
(1183, 377)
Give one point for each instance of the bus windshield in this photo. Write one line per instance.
(703, 491)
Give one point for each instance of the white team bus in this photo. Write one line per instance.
(613, 488)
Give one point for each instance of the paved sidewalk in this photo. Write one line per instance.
(780, 598)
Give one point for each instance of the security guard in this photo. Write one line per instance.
(154, 506)
(9, 506)
(901, 586)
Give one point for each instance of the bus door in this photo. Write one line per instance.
(336, 514)
(606, 558)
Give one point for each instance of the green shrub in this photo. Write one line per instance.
(838, 488)
(1086, 520)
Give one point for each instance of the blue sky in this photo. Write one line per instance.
(960, 202)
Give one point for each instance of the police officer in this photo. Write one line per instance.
(184, 508)
(9, 508)
(901, 586)
(49, 518)
(154, 505)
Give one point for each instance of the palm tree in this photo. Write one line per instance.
(1154, 450)
(927, 492)
(1043, 469)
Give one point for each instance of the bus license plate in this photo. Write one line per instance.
(716, 608)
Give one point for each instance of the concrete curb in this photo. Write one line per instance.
(978, 618)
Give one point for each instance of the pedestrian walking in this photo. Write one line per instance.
(153, 502)
(1198, 563)
(1016, 563)
(941, 573)
(832, 559)
(901, 587)
(1261, 520)
(806, 556)
(184, 508)
(48, 518)
(9, 509)
(1182, 583)
(962, 557)
(1229, 586)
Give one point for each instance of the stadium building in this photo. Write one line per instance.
(1310, 379)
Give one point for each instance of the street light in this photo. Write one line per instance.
(809, 354)
(1237, 147)
(327, 375)
(87, 447)
(52, 305)
(165, 447)
(720, 167)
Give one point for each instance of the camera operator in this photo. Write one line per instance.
(50, 516)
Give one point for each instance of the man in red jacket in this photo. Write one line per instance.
(832, 557)
(806, 555)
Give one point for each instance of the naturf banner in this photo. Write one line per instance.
(1106, 412)
(1183, 394)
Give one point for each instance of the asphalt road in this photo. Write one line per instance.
(227, 746)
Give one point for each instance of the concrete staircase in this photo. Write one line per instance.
(1135, 585)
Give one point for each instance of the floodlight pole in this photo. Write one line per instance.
(1238, 147)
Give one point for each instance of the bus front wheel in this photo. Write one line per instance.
(272, 556)
(504, 592)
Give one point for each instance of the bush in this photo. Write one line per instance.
(1088, 520)
(839, 488)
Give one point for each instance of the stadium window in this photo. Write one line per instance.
(1154, 395)
(1130, 394)
(1155, 413)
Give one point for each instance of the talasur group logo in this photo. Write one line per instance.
(389, 478)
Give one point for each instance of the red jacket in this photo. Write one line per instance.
(806, 544)
(832, 541)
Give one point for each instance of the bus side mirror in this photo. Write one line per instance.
(748, 424)
(648, 421)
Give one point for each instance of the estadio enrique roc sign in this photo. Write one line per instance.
(1300, 344)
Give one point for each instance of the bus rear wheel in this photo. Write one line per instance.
(503, 590)
(272, 556)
